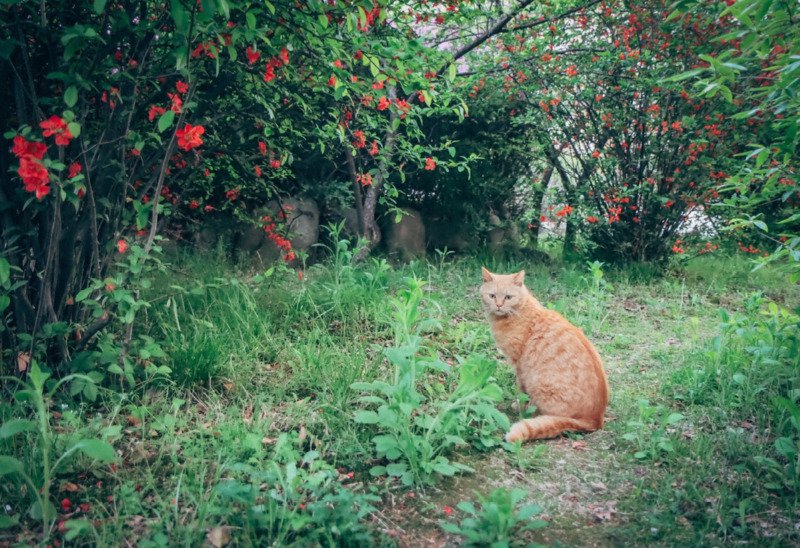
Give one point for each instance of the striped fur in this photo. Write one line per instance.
(556, 365)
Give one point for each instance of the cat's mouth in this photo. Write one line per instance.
(499, 312)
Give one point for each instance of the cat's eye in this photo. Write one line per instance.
(508, 297)
(491, 295)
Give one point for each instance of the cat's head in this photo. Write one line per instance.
(502, 294)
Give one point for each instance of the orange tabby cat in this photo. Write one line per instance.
(556, 365)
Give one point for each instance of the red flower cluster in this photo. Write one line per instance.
(281, 242)
(361, 140)
(189, 137)
(155, 111)
(364, 179)
(252, 56)
(275, 62)
(33, 173)
(430, 164)
(57, 127)
(564, 211)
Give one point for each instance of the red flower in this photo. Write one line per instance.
(591, 219)
(34, 176)
(269, 73)
(155, 111)
(332, 81)
(258, 171)
(232, 194)
(403, 106)
(34, 149)
(66, 504)
(338, 64)
(136, 152)
(122, 246)
(177, 102)
(262, 148)
(74, 169)
(374, 150)
(447, 510)
(56, 126)
(430, 164)
(378, 84)
(364, 179)
(181, 86)
(284, 56)
(360, 141)
(564, 211)
(252, 56)
(189, 137)
(208, 208)
(383, 104)
(194, 204)
(274, 164)
(596, 154)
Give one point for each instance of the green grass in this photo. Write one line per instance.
(255, 428)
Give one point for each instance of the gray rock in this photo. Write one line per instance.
(406, 239)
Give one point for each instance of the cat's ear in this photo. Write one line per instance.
(519, 278)
(487, 276)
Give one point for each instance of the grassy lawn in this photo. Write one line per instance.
(254, 440)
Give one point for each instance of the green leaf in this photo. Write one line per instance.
(6, 522)
(99, 6)
(10, 465)
(74, 128)
(366, 417)
(75, 527)
(16, 426)
(451, 72)
(397, 469)
(674, 418)
(785, 447)
(445, 468)
(251, 20)
(96, 449)
(71, 96)
(224, 8)
(165, 120)
(376, 471)
(5, 271)
(180, 16)
(83, 293)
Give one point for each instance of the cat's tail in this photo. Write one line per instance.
(548, 426)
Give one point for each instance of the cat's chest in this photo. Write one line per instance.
(510, 337)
